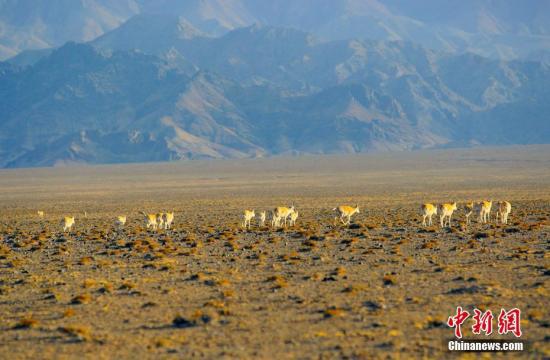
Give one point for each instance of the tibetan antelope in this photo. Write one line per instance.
(293, 218)
(275, 219)
(262, 218)
(346, 211)
(168, 219)
(446, 211)
(281, 213)
(160, 220)
(484, 209)
(503, 210)
(428, 210)
(68, 222)
(468, 211)
(150, 220)
(40, 214)
(120, 220)
(248, 216)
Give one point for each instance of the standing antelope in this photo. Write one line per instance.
(248, 216)
(150, 220)
(281, 213)
(120, 220)
(503, 210)
(446, 212)
(428, 210)
(168, 219)
(293, 218)
(40, 213)
(262, 218)
(468, 210)
(68, 222)
(484, 209)
(346, 211)
(275, 219)
(160, 220)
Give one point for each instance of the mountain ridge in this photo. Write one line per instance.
(505, 29)
(85, 103)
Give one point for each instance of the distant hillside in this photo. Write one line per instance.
(504, 29)
(257, 91)
(39, 24)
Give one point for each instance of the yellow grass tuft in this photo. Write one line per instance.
(389, 279)
(333, 312)
(26, 323)
(127, 285)
(82, 299)
(341, 271)
(81, 333)
(215, 304)
(86, 260)
(163, 343)
(88, 283)
(69, 313)
(279, 281)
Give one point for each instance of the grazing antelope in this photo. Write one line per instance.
(262, 218)
(168, 219)
(484, 209)
(281, 213)
(40, 213)
(428, 210)
(120, 220)
(446, 211)
(293, 218)
(468, 210)
(68, 222)
(346, 211)
(503, 210)
(248, 216)
(150, 220)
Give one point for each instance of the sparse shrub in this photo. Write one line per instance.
(340, 271)
(82, 299)
(279, 281)
(80, 333)
(389, 279)
(127, 285)
(215, 304)
(106, 287)
(353, 289)
(86, 260)
(228, 293)
(88, 283)
(26, 323)
(334, 311)
(163, 343)
(68, 313)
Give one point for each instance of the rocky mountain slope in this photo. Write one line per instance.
(504, 29)
(179, 93)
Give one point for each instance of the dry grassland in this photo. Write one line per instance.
(381, 287)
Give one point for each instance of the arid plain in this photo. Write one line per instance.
(382, 287)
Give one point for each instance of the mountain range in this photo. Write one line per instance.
(217, 83)
(504, 29)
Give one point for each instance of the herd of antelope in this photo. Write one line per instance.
(483, 209)
(283, 216)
